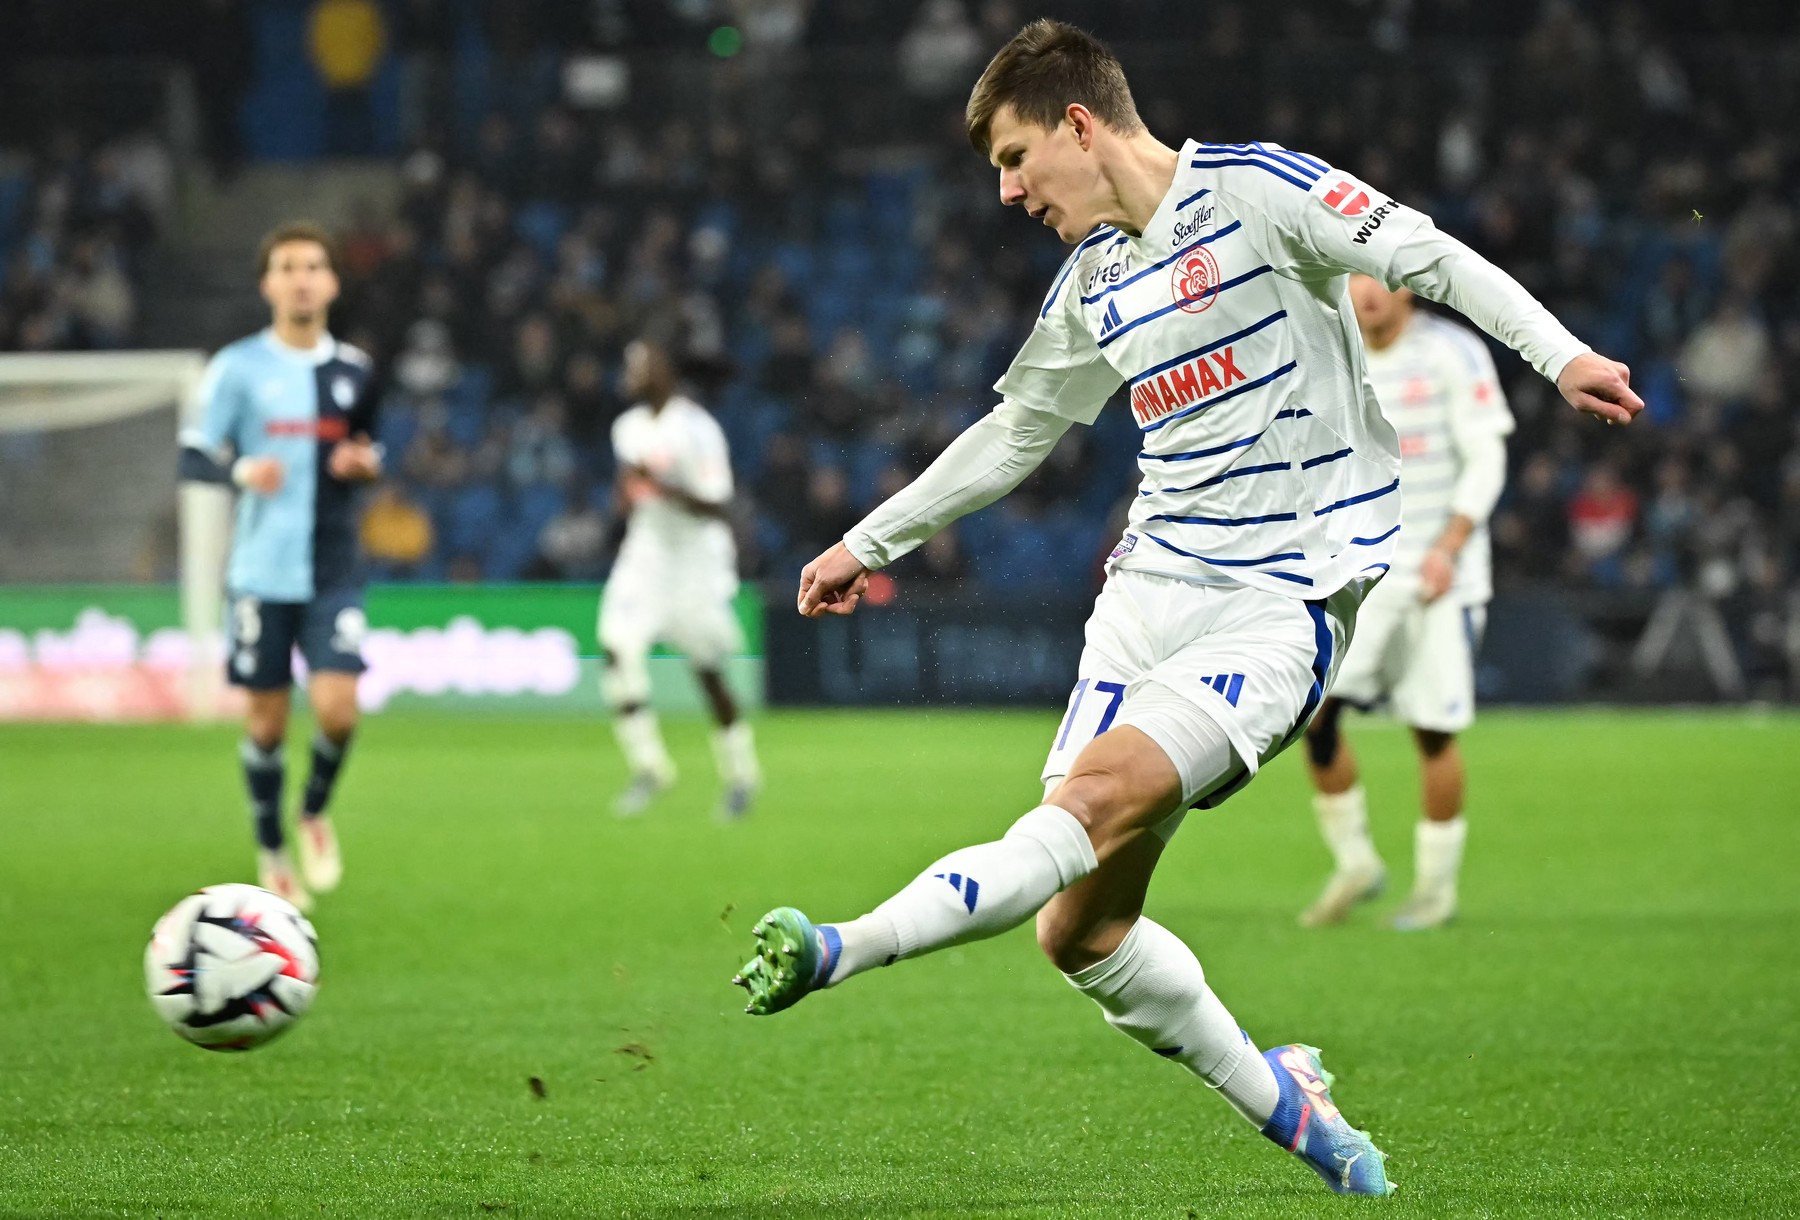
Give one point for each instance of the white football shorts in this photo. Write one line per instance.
(643, 607)
(1418, 658)
(1159, 650)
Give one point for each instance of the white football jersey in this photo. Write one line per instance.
(683, 446)
(1266, 460)
(1437, 383)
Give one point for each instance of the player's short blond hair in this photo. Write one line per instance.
(293, 231)
(1045, 67)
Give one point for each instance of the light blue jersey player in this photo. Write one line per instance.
(286, 419)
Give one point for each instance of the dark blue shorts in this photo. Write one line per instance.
(260, 638)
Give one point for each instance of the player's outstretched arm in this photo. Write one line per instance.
(1443, 269)
(988, 460)
(1340, 225)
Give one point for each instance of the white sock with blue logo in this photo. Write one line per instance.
(968, 895)
(1153, 991)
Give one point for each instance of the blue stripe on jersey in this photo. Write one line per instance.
(1198, 195)
(1174, 305)
(1228, 563)
(1233, 522)
(1160, 264)
(1376, 540)
(1286, 175)
(1309, 463)
(1236, 472)
(1312, 161)
(1288, 413)
(1251, 329)
(1237, 563)
(1307, 167)
(1366, 496)
(1216, 399)
(1062, 278)
(1200, 453)
(1291, 161)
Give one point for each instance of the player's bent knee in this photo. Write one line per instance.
(1109, 801)
(1322, 735)
(1432, 742)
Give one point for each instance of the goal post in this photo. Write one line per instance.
(88, 453)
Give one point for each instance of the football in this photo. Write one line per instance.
(231, 966)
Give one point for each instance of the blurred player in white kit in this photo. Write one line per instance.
(1417, 633)
(674, 580)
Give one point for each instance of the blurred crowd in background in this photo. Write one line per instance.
(782, 190)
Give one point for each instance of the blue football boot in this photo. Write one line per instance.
(1308, 1124)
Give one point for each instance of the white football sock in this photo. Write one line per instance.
(1437, 855)
(970, 894)
(1344, 821)
(734, 749)
(641, 740)
(1153, 990)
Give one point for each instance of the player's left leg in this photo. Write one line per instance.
(1343, 815)
(1340, 805)
(1436, 696)
(331, 639)
(260, 637)
(1151, 987)
(1438, 836)
(706, 629)
(631, 615)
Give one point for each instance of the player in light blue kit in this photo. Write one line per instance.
(286, 419)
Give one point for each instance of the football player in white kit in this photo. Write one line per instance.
(1417, 633)
(673, 581)
(1211, 281)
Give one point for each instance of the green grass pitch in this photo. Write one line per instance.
(1612, 1029)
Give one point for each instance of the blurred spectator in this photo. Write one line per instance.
(1725, 357)
(941, 51)
(346, 40)
(74, 228)
(1602, 516)
(572, 545)
(396, 531)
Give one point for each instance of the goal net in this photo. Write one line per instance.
(110, 573)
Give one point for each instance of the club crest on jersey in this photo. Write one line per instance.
(343, 392)
(1194, 280)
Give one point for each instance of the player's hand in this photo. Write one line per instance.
(833, 583)
(1436, 573)
(1599, 386)
(354, 460)
(638, 487)
(261, 475)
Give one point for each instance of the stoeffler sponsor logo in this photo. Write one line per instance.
(1367, 229)
(1186, 230)
(1201, 377)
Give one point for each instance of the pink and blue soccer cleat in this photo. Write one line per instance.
(1308, 1124)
